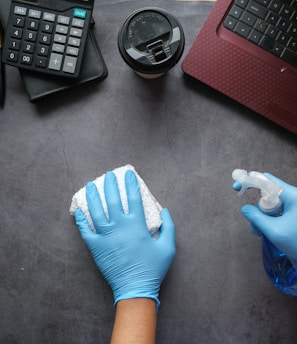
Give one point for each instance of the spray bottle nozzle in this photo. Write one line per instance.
(270, 190)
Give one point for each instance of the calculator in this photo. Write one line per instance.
(47, 36)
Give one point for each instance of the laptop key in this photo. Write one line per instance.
(275, 5)
(286, 11)
(241, 3)
(277, 49)
(293, 31)
(242, 30)
(230, 22)
(248, 19)
(235, 12)
(261, 25)
(283, 24)
(272, 32)
(272, 18)
(267, 43)
(293, 45)
(255, 36)
(257, 10)
(290, 57)
(283, 38)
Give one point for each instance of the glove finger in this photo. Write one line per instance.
(112, 196)
(133, 194)
(95, 207)
(264, 223)
(167, 231)
(82, 223)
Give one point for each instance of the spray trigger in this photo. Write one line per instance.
(270, 190)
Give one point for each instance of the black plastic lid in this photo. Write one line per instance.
(151, 40)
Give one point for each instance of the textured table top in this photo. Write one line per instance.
(184, 139)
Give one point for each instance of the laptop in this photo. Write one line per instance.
(247, 50)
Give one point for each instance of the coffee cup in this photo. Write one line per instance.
(151, 41)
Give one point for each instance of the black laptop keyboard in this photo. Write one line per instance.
(270, 24)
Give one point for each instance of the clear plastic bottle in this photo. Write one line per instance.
(282, 270)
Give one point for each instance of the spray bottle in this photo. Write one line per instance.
(277, 265)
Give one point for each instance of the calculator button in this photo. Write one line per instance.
(62, 29)
(80, 13)
(76, 32)
(47, 27)
(45, 39)
(40, 62)
(55, 61)
(22, 11)
(42, 50)
(26, 59)
(12, 56)
(74, 41)
(63, 20)
(32, 25)
(29, 47)
(51, 17)
(78, 22)
(30, 36)
(17, 33)
(60, 39)
(19, 21)
(69, 64)
(14, 44)
(72, 51)
(34, 14)
(58, 48)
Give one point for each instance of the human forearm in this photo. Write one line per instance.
(135, 322)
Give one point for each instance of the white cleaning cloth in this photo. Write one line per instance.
(151, 206)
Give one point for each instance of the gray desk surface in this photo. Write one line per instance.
(184, 139)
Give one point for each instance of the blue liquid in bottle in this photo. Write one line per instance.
(277, 265)
(279, 268)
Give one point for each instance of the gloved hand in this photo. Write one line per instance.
(282, 230)
(133, 263)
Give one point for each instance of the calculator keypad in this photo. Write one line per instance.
(46, 41)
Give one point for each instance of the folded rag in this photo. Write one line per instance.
(151, 206)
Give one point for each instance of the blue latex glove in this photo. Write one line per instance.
(282, 230)
(133, 263)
